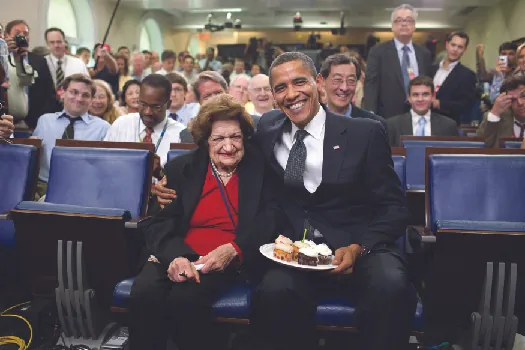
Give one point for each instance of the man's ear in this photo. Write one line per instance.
(319, 80)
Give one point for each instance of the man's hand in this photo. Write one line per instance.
(6, 126)
(435, 104)
(13, 48)
(218, 259)
(182, 266)
(345, 259)
(164, 195)
(501, 104)
(480, 49)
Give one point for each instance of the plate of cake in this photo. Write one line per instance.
(303, 254)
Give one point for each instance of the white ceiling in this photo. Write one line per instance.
(316, 14)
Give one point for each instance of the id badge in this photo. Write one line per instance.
(411, 73)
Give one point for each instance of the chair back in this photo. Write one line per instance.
(476, 191)
(101, 178)
(510, 142)
(19, 166)
(178, 149)
(415, 153)
(400, 163)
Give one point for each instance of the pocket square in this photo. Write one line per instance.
(337, 147)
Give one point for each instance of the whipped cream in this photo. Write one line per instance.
(284, 240)
(300, 244)
(312, 252)
(284, 247)
(323, 249)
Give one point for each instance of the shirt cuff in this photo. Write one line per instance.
(238, 250)
(493, 118)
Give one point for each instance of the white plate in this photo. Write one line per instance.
(267, 251)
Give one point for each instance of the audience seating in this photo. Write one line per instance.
(18, 177)
(510, 142)
(415, 154)
(336, 313)
(177, 149)
(22, 134)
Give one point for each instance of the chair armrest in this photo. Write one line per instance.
(4, 216)
(133, 223)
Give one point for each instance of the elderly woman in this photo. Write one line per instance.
(220, 206)
(103, 102)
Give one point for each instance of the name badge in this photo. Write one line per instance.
(411, 73)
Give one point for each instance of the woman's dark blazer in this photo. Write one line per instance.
(259, 216)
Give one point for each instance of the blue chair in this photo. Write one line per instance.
(415, 153)
(19, 166)
(400, 168)
(22, 134)
(512, 144)
(178, 149)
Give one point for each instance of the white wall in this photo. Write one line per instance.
(492, 26)
(124, 31)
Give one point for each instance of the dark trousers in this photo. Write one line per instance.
(284, 303)
(160, 307)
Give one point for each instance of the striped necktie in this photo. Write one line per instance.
(59, 75)
(522, 128)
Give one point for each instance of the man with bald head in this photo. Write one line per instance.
(260, 94)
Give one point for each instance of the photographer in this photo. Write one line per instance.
(31, 91)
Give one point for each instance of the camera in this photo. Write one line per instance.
(21, 41)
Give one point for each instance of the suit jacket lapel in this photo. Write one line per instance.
(250, 184)
(195, 174)
(406, 124)
(420, 63)
(270, 138)
(451, 78)
(435, 125)
(334, 147)
(392, 56)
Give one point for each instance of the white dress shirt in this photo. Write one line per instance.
(313, 174)
(495, 119)
(442, 74)
(130, 128)
(411, 55)
(70, 65)
(415, 123)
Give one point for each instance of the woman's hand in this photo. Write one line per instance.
(164, 194)
(182, 270)
(218, 259)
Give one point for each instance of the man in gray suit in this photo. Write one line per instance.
(420, 121)
(391, 66)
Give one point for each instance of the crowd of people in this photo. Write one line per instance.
(318, 162)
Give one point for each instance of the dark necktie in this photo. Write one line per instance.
(174, 116)
(69, 131)
(147, 138)
(59, 74)
(405, 65)
(522, 128)
(295, 166)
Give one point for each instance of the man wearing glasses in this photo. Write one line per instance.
(391, 66)
(73, 123)
(340, 74)
(152, 123)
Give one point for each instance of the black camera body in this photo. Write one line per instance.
(21, 40)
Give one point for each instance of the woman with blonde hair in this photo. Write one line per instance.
(103, 103)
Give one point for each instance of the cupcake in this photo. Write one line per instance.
(325, 254)
(284, 240)
(296, 246)
(283, 252)
(307, 256)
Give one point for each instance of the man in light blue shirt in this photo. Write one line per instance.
(73, 123)
(180, 110)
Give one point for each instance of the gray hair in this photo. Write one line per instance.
(290, 57)
(404, 7)
(239, 76)
(256, 76)
(208, 76)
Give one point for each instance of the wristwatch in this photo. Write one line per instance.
(364, 250)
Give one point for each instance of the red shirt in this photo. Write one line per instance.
(210, 225)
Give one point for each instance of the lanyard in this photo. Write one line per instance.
(219, 182)
(161, 134)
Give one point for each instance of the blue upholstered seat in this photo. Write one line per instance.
(415, 154)
(18, 170)
(477, 192)
(100, 178)
(176, 152)
(512, 144)
(235, 303)
(400, 164)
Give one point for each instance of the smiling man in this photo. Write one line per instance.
(454, 83)
(335, 181)
(420, 121)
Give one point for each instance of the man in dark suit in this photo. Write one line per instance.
(339, 76)
(42, 95)
(391, 65)
(420, 121)
(337, 183)
(454, 83)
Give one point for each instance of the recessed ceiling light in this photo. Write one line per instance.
(214, 10)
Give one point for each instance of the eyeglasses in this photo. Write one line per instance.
(156, 108)
(404, 20)
(349, 81)
(261, 89)
(221, 139)
(75, 93)
(177, 89)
